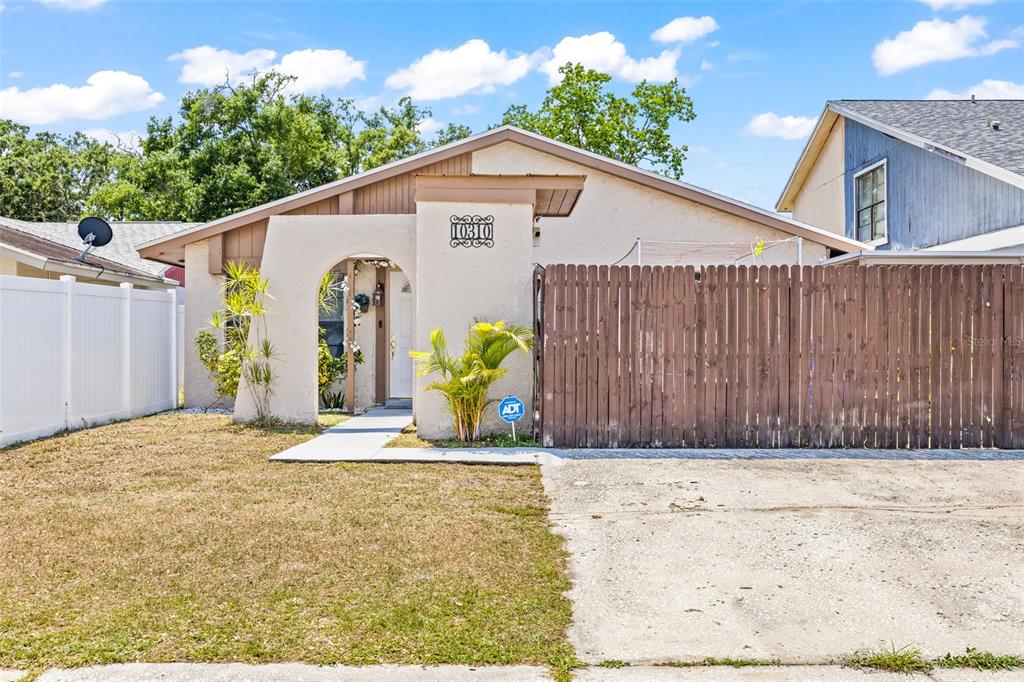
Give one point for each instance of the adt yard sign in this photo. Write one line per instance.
(511, 409)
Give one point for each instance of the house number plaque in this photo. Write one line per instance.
(472, 231)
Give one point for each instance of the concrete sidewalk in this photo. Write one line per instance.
(301, 672)
(361, 436)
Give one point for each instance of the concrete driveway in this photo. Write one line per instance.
(800, 560)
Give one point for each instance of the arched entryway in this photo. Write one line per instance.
(297, 252)
(366, 313)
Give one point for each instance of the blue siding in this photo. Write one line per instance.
(931, 199)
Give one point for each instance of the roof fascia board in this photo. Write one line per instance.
(977, 164)
(798, 175)
(85, 270)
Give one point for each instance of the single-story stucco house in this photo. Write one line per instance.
(450, 235)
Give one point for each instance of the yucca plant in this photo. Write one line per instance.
(466, 379)
(246, 350)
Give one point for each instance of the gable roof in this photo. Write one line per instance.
(489, 138)
(121, 253)
(963, 125)
(958, 129)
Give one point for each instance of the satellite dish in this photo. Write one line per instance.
(95, 232)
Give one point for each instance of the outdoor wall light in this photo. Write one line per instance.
(378, 294)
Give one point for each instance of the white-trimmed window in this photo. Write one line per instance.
(869, 192)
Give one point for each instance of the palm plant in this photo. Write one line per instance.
(466, 379)
(246, 351)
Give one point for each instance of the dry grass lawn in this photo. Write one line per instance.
(171, 538)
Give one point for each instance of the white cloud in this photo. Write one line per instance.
(935, 41)
(705, 65)
(466, 110)
(770, 124)
(470, 67)
(315, 70)
(954, 4)
(986, 89)
(685, 30)
(602, 52)
(208, 65)
(319, 70)
(105, 93)
(122, 139)
(73, 5)
(428, 126)
(15, 74)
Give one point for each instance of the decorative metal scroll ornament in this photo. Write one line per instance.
(472, 231)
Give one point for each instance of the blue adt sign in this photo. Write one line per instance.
(511, 409)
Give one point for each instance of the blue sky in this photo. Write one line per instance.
(758, 72)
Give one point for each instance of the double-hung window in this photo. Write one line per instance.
(870, 195)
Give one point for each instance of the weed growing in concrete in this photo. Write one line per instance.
(613, 663)
(905, 660)
(981, 660)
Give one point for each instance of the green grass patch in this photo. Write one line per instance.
(904, 660)
(172, 538)
(563, 662)
(980, 660)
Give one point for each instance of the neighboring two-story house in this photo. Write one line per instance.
(906, 175)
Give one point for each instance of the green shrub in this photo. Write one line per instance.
(466, 379)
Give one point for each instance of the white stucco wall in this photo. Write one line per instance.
(298, 251)
(456, 285)
(612, 212)
(203, 300)
(821, 199)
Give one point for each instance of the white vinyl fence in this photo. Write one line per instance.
(74, 355)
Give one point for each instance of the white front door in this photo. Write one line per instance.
(400, 323)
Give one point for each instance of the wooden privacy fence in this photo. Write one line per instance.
(851, 356)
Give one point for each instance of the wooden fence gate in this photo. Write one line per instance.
(851, 356)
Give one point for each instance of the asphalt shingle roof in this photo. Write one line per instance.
(121, 249)
(963, 125)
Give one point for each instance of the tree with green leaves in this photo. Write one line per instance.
(240, 145)
(48, 176)
(634, 129)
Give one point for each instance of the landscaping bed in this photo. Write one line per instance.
(171, 538)
(409, 438)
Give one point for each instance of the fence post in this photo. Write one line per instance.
(126, 349)
(172, 295)
(68, 347)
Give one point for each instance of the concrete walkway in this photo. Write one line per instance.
(361, 437)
